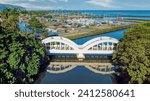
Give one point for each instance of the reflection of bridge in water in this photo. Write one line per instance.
(62, 67)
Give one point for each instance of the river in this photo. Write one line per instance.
(81, 75)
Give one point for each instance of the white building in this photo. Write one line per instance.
(51, 30)
(81, 21)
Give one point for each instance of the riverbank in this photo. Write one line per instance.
(136, 21)
(96, 32)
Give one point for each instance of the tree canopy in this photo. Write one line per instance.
(133, 55)
(21, 57)
(37, 27)
(10, 19)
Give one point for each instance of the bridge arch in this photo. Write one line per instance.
(60, 45)
(100, 43)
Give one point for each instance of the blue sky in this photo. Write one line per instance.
(81, 4)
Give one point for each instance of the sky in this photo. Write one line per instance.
(81, 4)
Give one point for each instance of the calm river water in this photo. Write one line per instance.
(81, 75)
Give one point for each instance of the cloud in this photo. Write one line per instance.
(56, 1)
(16, 1)
(34, 7)
(64, 0)
(33, 4)
(32, 0)
(28, 4)
(103, 3)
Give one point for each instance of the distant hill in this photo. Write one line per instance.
(4, 6)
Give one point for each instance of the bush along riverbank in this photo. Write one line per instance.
(98, 31)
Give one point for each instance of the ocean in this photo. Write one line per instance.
(129, 14)
(118, 13)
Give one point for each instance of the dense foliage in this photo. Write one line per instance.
(37, 13)
(37, 27)
(10, 19)
(133, 55)
(21, 56)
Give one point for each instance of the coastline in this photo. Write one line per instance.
(96, 32)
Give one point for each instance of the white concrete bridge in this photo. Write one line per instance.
(61, 45)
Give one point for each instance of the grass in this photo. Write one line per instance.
(136, 21)
(98, 31)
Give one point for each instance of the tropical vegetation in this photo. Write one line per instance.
(133, 55)
(38, 28)
(22, 57)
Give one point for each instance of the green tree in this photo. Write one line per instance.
(10, 19)
(133, 55)
(21, 56)
(48, 16)
(44, 34)
(35, 25)
(37, 28)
